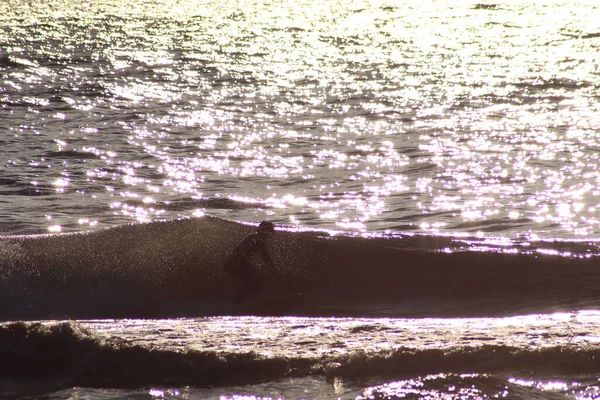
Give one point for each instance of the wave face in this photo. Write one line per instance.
(174, 268)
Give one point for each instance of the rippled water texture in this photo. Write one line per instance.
(413, 116)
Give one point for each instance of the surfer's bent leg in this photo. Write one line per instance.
(255, 283)
(233, 268)
(247, 274)
(252, 280)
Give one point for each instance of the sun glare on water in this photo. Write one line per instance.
(444, 118)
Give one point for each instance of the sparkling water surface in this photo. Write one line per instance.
(446, 118)
(415, 116)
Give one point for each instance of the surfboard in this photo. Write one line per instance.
(279, 305)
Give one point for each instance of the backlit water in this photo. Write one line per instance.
(414, 116)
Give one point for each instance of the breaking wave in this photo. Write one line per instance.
(67, 354)
(174, 269)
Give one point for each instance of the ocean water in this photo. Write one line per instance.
(432, 169)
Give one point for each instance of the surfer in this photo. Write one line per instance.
(239, 266)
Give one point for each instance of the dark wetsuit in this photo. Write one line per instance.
(238, 265)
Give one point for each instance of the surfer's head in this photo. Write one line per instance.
(266, 228)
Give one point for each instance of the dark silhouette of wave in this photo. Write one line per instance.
(174, 268)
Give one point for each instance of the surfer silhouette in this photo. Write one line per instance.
(238, 263)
